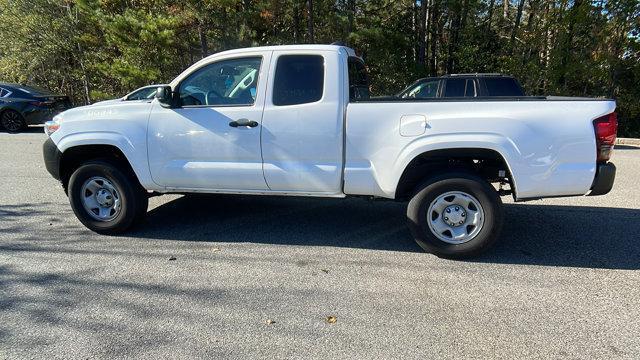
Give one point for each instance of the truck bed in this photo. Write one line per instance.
(548, 143)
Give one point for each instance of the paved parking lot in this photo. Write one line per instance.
(256, 277)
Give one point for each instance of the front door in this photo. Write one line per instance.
(212, 140)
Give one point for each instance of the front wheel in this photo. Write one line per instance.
(455, 215)
(12, 121)
(106, 199)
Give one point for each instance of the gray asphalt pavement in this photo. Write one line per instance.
(256, 278)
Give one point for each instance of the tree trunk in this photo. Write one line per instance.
(85, 79)
(492, 5)
(567, 43)
(516, 25)
(351, 13)
(310, 36)
(434, 38)
(505, 8)
(202, 33)
(453, 43)
(296, 22)
(422, 23)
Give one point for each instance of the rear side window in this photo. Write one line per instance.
(503, 87)
(299, 79)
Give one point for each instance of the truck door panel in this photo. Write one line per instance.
(302, 124)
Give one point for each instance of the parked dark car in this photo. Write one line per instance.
(463, 85)
(22, 105)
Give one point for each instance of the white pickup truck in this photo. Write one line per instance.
(297, 120)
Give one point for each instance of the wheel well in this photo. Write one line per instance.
(486, 163)
(74, 157)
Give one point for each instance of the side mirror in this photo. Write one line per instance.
(165, 96)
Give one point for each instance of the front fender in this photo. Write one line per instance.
(135, 152)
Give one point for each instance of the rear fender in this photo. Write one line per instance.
(489, 141)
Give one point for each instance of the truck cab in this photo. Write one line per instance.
(254, 120)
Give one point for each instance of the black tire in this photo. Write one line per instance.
(467, 183)
(12, 121)
(134, 199)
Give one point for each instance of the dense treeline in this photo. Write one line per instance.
(96, 49)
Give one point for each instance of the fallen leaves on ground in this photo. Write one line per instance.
(331, 319)
(172, 258)
(269, 322)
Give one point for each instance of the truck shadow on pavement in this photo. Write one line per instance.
(547, 235)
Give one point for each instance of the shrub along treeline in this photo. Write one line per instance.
(96, 49)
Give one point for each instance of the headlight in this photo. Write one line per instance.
(52, 126)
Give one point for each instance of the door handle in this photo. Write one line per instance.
(243, 122)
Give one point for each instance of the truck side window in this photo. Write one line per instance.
(299, 79)
(358, 80)
(227, 82)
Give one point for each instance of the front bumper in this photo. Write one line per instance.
(603, 181)
(52, 158)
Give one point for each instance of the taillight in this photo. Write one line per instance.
(606, 128)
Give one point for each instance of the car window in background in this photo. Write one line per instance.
(143, 94)
(503, 87)
(470, 88)
(455, 88)
(424, 90)
(3, 92)
(299, 79)
(228, 82)
(358, 80)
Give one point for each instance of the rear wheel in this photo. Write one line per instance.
(12, 121)
(106, 199)
(456, 215)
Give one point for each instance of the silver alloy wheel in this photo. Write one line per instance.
(11, 121)
(455, 217)
(101, 199)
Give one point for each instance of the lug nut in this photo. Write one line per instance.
(446, 218)
(448, 210)
(457, 208)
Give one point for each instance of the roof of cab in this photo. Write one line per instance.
(321, 47)
(313, 47)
